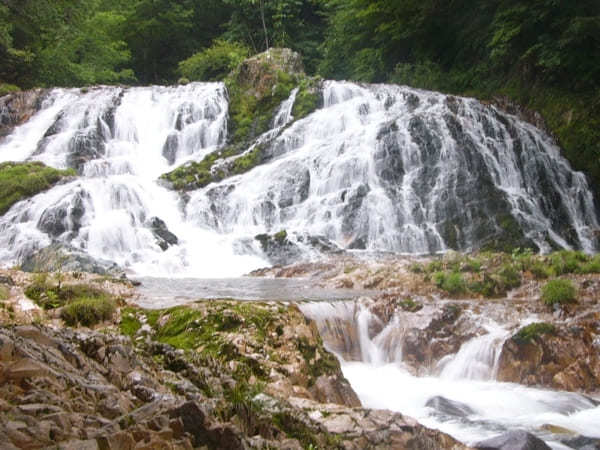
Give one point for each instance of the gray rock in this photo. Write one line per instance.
(449, 407)
(63, 257)
(513, 440)
(164, 237)
(583, 443)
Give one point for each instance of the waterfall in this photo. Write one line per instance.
(478, 358)
(389, 168)
(376, 167)
(120, 140)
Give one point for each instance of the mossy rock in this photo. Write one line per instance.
(533, 331)
(19, 181)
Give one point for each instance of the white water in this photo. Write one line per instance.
(467, 378)
(118, 191)
(378, 167)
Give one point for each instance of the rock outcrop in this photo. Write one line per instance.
(567, 358)
(17, 108)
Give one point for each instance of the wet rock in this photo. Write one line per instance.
(170, 148)
(565, 359)
(583, 443)
(18, 107)
(164, 237)
(84, 147)
(278, 248)
(329, 389)
(449, 407)
(66, 258)
(64, 216)
(513, 440)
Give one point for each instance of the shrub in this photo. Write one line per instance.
(541, 270)
(567, 261)
(559, 291)
(533, 330)
(452, 283)
(510, 276)
(408, 304)
(213, 63)
(88, 311)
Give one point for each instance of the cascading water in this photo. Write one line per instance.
(458, 395)
(377, 167)
(390, 168)
(120, 141)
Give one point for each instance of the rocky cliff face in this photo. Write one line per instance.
(17, 108)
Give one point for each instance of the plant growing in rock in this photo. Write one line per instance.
(533, 330)
(88, 311)
(559, 291)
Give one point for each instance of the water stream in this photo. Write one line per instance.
(458, 395)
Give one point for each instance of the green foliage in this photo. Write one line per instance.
(6, 88)
(280, 236)
(4, 293)
(130, 324)
(533, 330)
(453, 282)
(307, 98)
(408, 304)
(510, 276)
(559, 291)
(215, 62)
(49, 295)
(88, 311)
(541, 270)
(22, 180)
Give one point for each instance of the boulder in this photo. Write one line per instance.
(513, 440)
(164, 237)
(449, 407)
(63, 257)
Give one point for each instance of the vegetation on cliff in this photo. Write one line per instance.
(22, 180)
(256, 87)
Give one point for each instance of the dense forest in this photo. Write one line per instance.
(543, 54)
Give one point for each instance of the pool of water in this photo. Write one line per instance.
(167, 292)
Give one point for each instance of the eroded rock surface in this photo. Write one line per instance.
(223, 375)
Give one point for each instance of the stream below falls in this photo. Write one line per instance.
(459, 395)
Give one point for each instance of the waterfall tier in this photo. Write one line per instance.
(377, 167)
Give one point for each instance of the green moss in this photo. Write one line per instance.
(559, 291)
(247, 161)
(307, 98)
(88, 311)
(510, 276)
(566, 261)
(49, 295)
(408, 304)
(129, 324)
(325, 364)
(23, 180)
(280, 236)
(6, 88)
(4, 293)
(533, 330)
